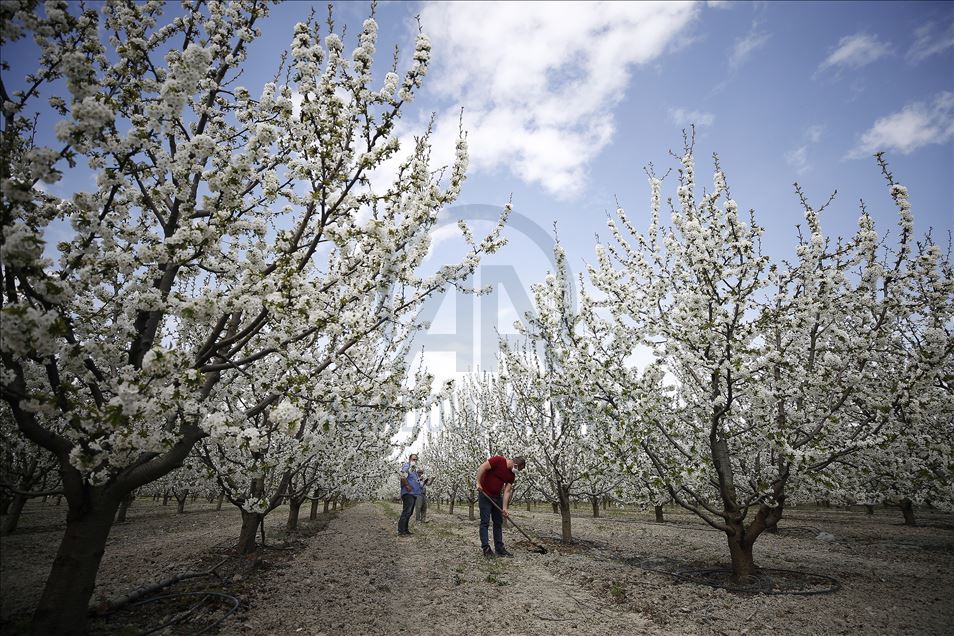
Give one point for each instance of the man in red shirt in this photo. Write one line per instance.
(495, 475)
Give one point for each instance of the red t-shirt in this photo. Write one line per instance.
(498, 475)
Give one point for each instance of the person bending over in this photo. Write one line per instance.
(494, 482)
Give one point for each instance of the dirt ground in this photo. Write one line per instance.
(349, 573)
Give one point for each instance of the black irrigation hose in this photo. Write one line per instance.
(835, 585)
(181, 617)
(784, 529)
(693, 576)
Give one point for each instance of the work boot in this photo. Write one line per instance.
(488, 553)
(502, 552)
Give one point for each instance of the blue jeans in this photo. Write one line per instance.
(408, 500)
(488, 512)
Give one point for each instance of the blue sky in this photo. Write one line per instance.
(565, 104)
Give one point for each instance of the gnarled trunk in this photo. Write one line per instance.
(180, 508)
(12, 517)
(250, 523)
(314, 509)
(470, 510)
(596, 506)
(450, 509)
(907, 510)
(165, 498)
(556, 507)
(123, 508)
(659, 513)
(741, 538)
(327, 504)
(566, 531)
(294, 507)
(741, 553)
(64, 604)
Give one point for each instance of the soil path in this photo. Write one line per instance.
(359, 577)
(355, 576)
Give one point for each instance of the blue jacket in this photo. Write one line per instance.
(412, 479)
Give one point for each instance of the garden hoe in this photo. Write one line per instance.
(537, 547)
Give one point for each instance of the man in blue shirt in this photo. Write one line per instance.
(410, 489)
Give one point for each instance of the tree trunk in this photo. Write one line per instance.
(659, 513)
(64, 605)
(740, 551)
(250, 523)
(596, 506)
(450, 509)
(556, 507)
(334, 503)
(218, 503)
(565, 527)
(59, 499)
(314, 510)
(294, 507)
(528, 505)
(907, 509)
(194, 497)
(605, 502)
(13, 514)
(165, 498)
(869, 509)
(4, 504)
(123, 507)
(470, 510)
(327, 504)
(181, 507)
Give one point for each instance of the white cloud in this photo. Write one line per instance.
(684, 118)
(719, 4)
(930, 39)
(916, 125)
(539, 83)
(855, 51)
(745, 46)
(798, 158)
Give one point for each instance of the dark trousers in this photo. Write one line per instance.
(488, 512)
(421, 514)
(408, 501)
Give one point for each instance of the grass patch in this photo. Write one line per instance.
(388, 509)
(496, 580)
(617, 592)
